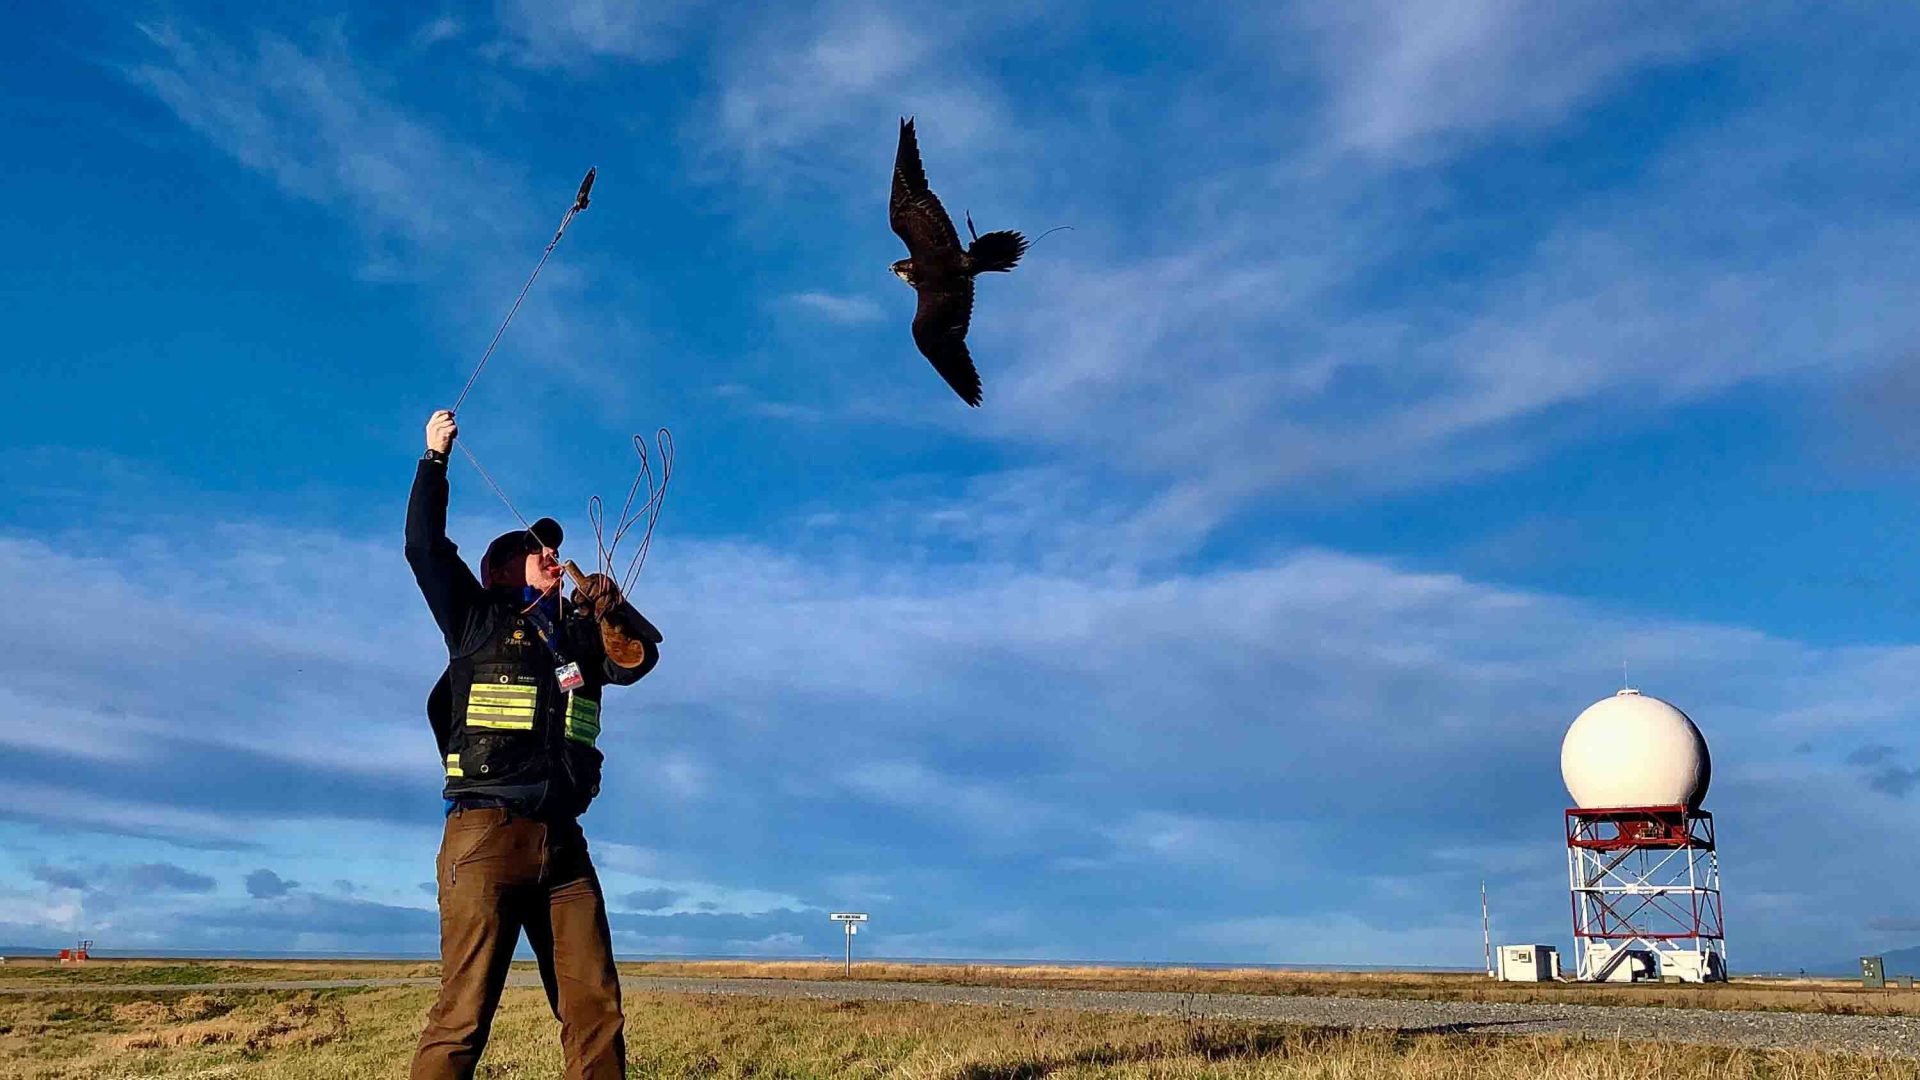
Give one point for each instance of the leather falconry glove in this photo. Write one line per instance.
(596, 594)
(624, 632)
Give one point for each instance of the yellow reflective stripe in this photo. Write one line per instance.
(583, 719)
(506, 725)
(502, 706)
(453, 765)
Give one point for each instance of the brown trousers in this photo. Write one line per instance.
(501, 873)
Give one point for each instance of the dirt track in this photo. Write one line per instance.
(1876, 1035)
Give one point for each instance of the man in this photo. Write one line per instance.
(516, 716)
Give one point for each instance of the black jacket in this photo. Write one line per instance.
(471, 617)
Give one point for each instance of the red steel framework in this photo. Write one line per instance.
(1646, 879)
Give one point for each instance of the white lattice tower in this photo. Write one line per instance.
(1646, 879)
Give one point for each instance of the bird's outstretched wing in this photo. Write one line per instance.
(914, 210)
(940, 329)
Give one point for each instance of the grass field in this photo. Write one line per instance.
(1766, 995)
(1785, 995)
(347, 1035)
(35, 972)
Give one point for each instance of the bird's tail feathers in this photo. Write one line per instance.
(996, 251)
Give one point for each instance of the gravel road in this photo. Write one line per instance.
(1876, 1035)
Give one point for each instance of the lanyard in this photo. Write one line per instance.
(566, 673)
(544, 626)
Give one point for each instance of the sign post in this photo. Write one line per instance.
(851, 920)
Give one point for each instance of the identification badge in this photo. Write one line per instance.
(569, 676)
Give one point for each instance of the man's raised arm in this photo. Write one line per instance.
(452, 592)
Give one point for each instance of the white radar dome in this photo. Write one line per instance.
(1634, 750)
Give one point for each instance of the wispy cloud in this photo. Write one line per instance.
(576, 33)
(832, 307)
(308, 118)
(434, 31)
(1403, 77)
(328, 127)
(978, 807)
(811, 92)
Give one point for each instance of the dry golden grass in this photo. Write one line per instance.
(303, 1023)
(1768, 995)
(35, 972)
(361, 1035)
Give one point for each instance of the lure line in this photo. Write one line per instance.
(579, 204)
(484, 475)
(580, 200)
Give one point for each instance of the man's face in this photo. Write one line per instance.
(543, 569)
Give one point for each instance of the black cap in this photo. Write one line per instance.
(548, 532)
(520, 542)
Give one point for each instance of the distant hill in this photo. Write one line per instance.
(1899, 962)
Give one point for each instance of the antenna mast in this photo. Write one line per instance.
(1486, 928)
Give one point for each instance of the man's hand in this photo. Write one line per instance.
(597, 594)
(441, 431)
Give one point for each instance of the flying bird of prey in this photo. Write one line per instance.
(939, 269)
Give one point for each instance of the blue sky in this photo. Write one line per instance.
(1407, 369)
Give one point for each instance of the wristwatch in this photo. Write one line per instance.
(434, 456)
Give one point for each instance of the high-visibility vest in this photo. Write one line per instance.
(511, 732)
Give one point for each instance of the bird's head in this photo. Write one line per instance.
(903, 270)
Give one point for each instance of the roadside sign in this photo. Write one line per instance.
(851, 920)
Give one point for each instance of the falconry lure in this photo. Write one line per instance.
(940, 270)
